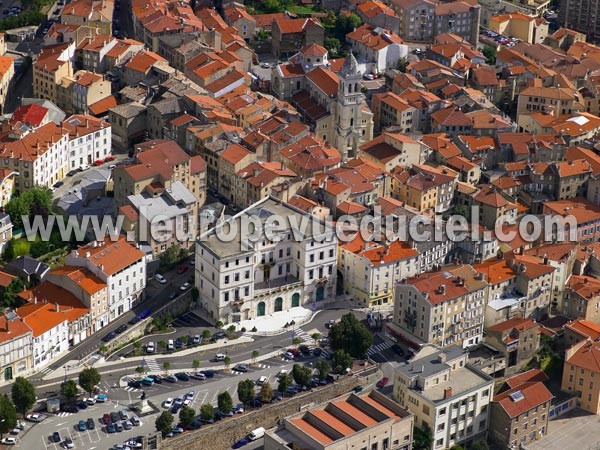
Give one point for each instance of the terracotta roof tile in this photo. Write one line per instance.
(111, 257)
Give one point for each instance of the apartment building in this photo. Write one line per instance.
(424, 187)
(581, 373)
(443, 391)
(7, 72)
(423, 20)
(39, 156)
(445, 307)
(176, 207)
(556, 101)
(580, 17)
(376, 49)
(391, 109)
(241, 280)
(391, 149)
(16, 339)
(502, 303)
(95, 14)
(158, 162)
(230, 161)
(370, 270)
(49, 324)
(52, 64)
(581, 298)
(88, 288)
(349, 421)
(259, 179)
(530, 29)
(534, 282)
(290, 35)
(518, 339)
(585, 213)
(520, 414)
(128, 124)
(117, 263)
(90, 140)
(75, 94)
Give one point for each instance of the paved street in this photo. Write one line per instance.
(576, 430)
(205, 392)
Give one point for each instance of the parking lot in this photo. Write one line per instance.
(495, 39)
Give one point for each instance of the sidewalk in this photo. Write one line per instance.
(157, 356)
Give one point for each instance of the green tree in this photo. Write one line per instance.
(341, 361)
(9, 297)
(137, 345)
(332, 45)
(16, 248)
(301, 374)
(166, 366)
(196, 365)
(346, 24)
(272, 6)
(186, 415)
(316, 337)
(140, 369)
(227, 362)
(323, 367)
(266, 393)
(89, 379)
(8, 415)
(246, 391)
(423, 438)
(402, 63)
(462, 210)
(219, 324)
(284, 382)
(171, 256)
(225, 402)
(207, 412)
(490, 54)
(457, 447)
(69, 389)
(36, 201)
(350, 335)
(296, 341)
(205, 335)
(164, 422)
(23, 395)
(255, 354)
(481, 445)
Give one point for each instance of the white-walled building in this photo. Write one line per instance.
(443, 391)
(376, 49)
(89, 140)
(371, 270)
(240, 280)
(119, 264)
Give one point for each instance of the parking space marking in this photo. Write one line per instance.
(204, 398)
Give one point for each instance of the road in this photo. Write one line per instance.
(204, 392)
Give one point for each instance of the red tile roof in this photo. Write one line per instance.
(111, 257)
(587, 357)
(325, 80)
(32, 114)
(531, 375)
(534, 394)
(515, 323)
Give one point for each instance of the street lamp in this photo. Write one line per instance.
(65, 367)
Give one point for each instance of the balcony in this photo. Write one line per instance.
(276, 286)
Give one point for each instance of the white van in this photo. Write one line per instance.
(170, 345)
(150, 347)
(256, 434)
(219, 357)
(262, 380)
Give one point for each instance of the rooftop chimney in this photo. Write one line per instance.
(57, 307)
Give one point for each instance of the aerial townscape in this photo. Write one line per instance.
(300, 224)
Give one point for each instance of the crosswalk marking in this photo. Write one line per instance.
(378, 348)
(131, 389)
(64, 414)
(152, 365)
(264, 366)
(46, 371)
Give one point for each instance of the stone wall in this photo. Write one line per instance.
(223, 434)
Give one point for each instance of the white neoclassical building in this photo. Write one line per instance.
(252, 275)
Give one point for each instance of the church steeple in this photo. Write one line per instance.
(350, 66)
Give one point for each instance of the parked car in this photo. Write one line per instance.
(397, 349)
(109, 158)
(135, 421)
(123, 414)
(109, 337)
(150, 347)
(241, 368)
(91, 425)
(119, 426)
(171, 379)
(101, 398)
(9, 441)
(56, 437)
(127, 425)
(182, 269)
(70, 409)
(82, 425)
(68, 443)
(208, 373)
(121, 329)
(196, 340)
(106, 419)
(199, 376)
(185, 286)
(182, 376)
(168, 403)
(158, 277)
(110, 428)
(136, 384)
(83, 166)
(157, 378)
(147, 381)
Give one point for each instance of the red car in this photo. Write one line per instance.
(381, 383)
(98, 162)
(109, 158)
(182, 269)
